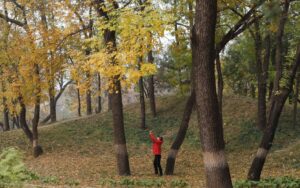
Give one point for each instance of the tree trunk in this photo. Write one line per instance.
(279, 50)
(297, 85)
(6, 126)
(79, 103)
(271, 87)
(52, 109)
(16, 121)
(220, 85)
(22, 119)
(53, 101)
(180, 135)
(52, 104)
(37, 149)
(277, 104)
(151, 87)
(261, 73)
(109, 103)
(209, 118)
(88, 102)
(116, 97)
(99, 107)
(142, 99)
(119, 133)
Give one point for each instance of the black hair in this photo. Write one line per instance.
(161, 138)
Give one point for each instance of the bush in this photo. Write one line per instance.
(12, 168)
(281, 182)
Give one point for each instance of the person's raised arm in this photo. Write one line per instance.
(152, 137)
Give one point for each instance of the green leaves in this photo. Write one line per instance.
(12, 168)
(281, 182)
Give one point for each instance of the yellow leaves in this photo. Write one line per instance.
(148, 69)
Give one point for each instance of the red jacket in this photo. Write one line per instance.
(156, 146)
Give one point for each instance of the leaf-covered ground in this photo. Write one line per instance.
(80, 151)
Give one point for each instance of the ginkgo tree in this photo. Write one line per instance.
(124, 37)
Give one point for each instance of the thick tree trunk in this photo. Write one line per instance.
(142, 99)
(151, 87)
(79, 103)
(119, 132)
(296, 93)
(209, 118)
(180, 135)
(277, 104)
(99, 107)
(116, 97)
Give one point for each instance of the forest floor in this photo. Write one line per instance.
(80, 151)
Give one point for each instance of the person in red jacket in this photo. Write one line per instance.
(156, 149)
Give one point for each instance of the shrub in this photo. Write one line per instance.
(280, 182)
(12, 168)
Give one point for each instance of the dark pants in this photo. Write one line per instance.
(156, 164)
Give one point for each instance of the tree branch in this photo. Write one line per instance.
(8, 19)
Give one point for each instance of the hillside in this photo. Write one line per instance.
(81, 150)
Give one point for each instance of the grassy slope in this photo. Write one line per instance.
(82, 149)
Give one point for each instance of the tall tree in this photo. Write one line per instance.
(278, 98)
(277, 102)
(115, 94)
(209, 119)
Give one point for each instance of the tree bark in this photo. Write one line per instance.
(209, 118)
(109, 103)
(261, 73)
(22, 119)
(79, 102)
(279, 50)
(220, 85)
(142, 98)
(88, 98)
(297, 85)
(37, 149)
(6, 126)
(180, 135)
(116, 97)
(277, 102)
(52, 105)
(99, 107)
(151, 87)
(16, 121)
